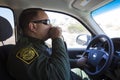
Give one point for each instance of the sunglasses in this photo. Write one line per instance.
(45, 22)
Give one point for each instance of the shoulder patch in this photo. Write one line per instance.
(27, 55)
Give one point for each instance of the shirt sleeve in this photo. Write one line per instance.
(73, 63)
(59, 61)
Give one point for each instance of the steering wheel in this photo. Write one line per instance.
(99, 56)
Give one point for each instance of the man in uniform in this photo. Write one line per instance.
(31, 59)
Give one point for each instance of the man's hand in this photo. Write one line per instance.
(81, 62)
(55, 32)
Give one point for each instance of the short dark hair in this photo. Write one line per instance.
(27, 15)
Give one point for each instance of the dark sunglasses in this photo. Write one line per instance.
(46, 21)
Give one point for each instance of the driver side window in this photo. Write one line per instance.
(70, 26)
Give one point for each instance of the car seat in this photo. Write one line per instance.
(5, 33)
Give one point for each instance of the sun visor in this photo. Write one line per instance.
(89, 5)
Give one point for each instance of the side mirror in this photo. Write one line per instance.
(83, 39)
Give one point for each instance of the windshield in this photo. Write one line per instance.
(108, 18)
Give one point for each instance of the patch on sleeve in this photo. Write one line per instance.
(27, 55)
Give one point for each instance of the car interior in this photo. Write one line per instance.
(84, 31)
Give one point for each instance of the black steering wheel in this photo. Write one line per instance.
(99, 56)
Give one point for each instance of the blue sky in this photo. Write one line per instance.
(108, 7)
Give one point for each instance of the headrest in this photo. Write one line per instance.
(5, 29)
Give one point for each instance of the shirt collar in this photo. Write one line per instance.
(32, 40)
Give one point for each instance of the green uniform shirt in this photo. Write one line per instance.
(32, 60)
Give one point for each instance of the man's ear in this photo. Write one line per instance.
(32, 27)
